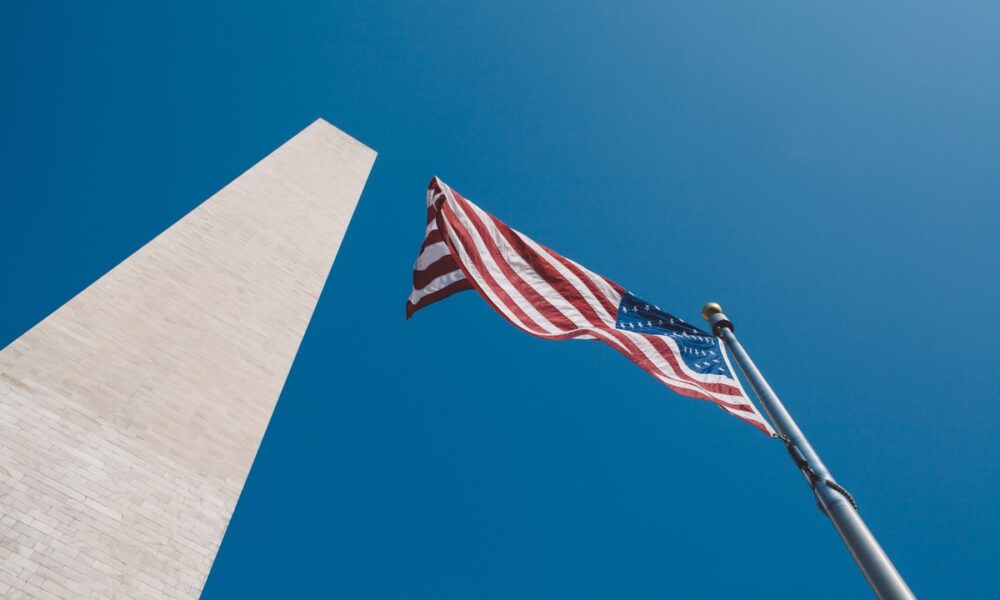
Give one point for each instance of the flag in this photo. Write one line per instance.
(552, 297)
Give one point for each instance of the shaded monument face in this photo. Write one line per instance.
(131, 415)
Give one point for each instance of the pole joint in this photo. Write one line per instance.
(811, 475)
(833, 485)
(832, 498)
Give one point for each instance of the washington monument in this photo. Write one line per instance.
(132, 414)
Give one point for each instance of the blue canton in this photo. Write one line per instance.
(700, 351)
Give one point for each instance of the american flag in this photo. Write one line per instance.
(552, 297)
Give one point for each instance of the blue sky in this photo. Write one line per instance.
(828, 173)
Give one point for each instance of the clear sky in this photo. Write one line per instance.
(830, 174)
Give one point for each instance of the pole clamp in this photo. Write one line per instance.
(718, 322)
(800, 460)
(811, 476)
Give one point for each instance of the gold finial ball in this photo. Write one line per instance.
(712, 308)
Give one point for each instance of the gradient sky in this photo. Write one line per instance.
(830, 174)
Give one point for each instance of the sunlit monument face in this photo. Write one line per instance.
(132, 414)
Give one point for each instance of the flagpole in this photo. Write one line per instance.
(832, 499)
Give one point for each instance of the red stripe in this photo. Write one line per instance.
(539, 302)
(431, 210)
(433, 189)
(614, 286)
(597, 293)
(454, 288)
(659, 344)
(647, 365)
(442, 266)
(637, 357)
(541, 266)
(664, 350)
(446, 217)
(457, 235)
(432, 238)
(572, 295)
(756, 424)
(442, 225)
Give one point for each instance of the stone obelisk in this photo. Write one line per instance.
(129, 418)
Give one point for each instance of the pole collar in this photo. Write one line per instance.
(717, 319)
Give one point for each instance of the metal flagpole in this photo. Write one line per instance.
(832, 499)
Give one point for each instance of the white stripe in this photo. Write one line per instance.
(432, 194)
(736, 382)
(609, 337)
(430, 255)
(609, 292)
(579, 333)
(595, 304)
(494, 270)
(483, 286)
(438, 283)
(703, 377)
(531, 278)
(529, 275)
(750, 417)
(615, 298)
(668, 380)
(667, 369)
